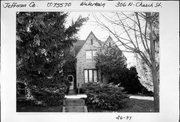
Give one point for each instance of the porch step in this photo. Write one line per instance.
(74, 105)
(75, 109)
(73, 102)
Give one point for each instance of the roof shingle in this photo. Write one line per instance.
(78, 45)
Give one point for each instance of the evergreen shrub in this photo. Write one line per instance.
(104, 96)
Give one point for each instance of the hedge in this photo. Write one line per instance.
(104, 96)
(52, 95)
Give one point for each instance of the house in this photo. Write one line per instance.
(85, 52)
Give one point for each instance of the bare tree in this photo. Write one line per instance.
(138, 33)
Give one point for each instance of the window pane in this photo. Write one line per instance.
(95, 75)
(94, 53)
(88, 55)
(90, 76)
(86, 76)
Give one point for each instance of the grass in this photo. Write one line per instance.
(28, 107)
(133, 105)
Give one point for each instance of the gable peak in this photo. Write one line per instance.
(91, 33)
(109, 38)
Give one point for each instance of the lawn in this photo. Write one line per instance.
(26, 107)
(133, 105)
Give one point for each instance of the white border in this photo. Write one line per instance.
(169, 67)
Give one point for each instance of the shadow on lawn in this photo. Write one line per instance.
(29, 107)
(133, 105)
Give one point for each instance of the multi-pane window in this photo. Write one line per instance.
(90, 75)
(90, 54)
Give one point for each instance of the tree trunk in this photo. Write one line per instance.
(154, 70)
(156, 89)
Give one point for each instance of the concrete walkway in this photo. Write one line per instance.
(74, 105)
(77, 96)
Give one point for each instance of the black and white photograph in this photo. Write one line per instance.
(114, 68)
(90, 60)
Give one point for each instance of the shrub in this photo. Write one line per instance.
(131, 82)
(51, 95)
(21, 89)
(128, 78)
(104, 96)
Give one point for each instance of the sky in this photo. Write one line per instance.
(88, 26)
(100, 33)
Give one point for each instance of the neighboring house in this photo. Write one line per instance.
(85, 52)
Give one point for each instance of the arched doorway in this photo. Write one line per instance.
(71, 80)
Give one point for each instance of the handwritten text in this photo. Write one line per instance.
(138, 4)
(58, 5)
(96, 4)
(123, 117)
(18, 5)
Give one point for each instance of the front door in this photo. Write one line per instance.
(71, 80)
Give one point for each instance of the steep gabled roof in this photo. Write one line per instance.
(79, 44)
(109, 39)
(99, 41)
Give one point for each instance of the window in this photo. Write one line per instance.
(95, 75)
(86, 76)
(90, 75)
(88, 54)
(91, 54)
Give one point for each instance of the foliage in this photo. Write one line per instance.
(137, 32)
(21, 89)
(110, 61)
(42, 40)
(51, 96)
(69, 66)
(103, 96)
(129, 79)
(144, 73)
(112, 64)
